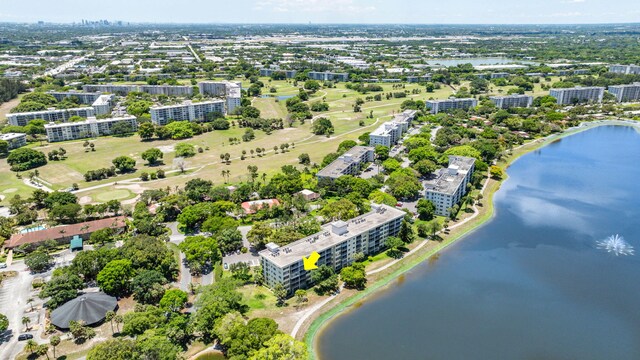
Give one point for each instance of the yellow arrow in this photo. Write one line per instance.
(310, 262)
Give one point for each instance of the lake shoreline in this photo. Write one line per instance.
(322, 319)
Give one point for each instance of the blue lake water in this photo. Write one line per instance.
(529, 284)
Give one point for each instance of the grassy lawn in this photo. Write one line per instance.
(258, 298)
(207, 165)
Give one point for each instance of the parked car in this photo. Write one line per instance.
(399, 204)
(23, 337)
(3, 266)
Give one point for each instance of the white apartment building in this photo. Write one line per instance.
(578, 94)
(436, 106)
(328, 76)
(417, 79)
(91, 127)
(101, 103)
(390, 132)
(450, 184)
(51, 115)
(15, 140)
(625, 69)
(349, 163)
(288, 73)
(231, 91)
(168, 90)
(511, 101)
(336, 243)
(187, 111)
(626, 93)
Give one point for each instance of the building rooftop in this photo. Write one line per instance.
(103, 100)
(186, 103)
(66, 231)
(11, 136)
(49, 111)
(448, 180)
(330, 235)
(336, 168)
(90, 120)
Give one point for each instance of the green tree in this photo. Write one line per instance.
(147, 286)
(229, 240)
(80, 331)
(146, 130)
(406, 233)
(381, 152)
(152, 155)
(404, 184)
(281, 347)
(200, 252)
(114, 349)
(54, 341)
(354, 276)
(4, 322)
(426, 209)
(115, 277)
(393, 245)
(124, 164)
(38, 261)
(322, 126)
(24, 159)
(185, 150)
(174, 300)
(496, 172)
(342, 209)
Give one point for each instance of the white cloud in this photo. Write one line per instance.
(340, 6)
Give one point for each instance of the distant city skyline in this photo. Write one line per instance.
(325, 11)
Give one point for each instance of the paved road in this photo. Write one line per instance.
(14, 293)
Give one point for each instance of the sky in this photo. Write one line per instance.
(325, 11)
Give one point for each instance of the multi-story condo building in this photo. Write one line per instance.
(336, 243)
(417, 79)
(231, 91)
(436, 106)
(187, 111)
(169, 90)
(500, 75)
(288, 73)
(349, 163)
(85, 98)
(578, 94)
(328, 76)
(625, 69)
(511, 101)
(91, 127)
(101, 103)
(51, 115)
(450, 184)
(626, 93)
(15, 140)
(390, 132)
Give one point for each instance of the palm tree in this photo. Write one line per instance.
(31, 345)
(26, 321)
(119, 320)
(30, 302)
(109, 317)
(54, 341)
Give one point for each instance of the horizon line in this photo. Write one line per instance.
(37, 22)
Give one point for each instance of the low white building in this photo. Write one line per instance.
(578, 94)
(349, 163)
(51, 115)
(15, 140)
(389, 133)
(511, 101)
(437, 106)
(91, 127)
